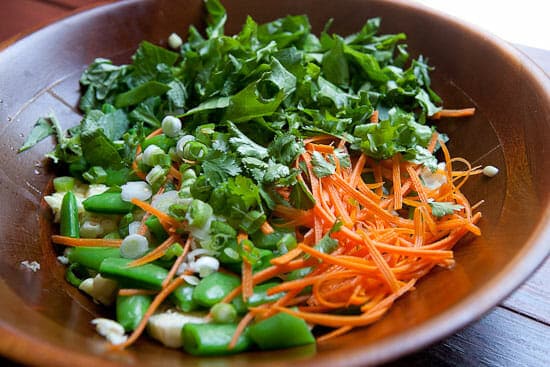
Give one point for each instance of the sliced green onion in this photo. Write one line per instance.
(171, 126)
(63, 183)
(199, 213)
(134, 246)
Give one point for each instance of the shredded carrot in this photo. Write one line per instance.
(333, 334)
(318, 138)
(157, 253)
(374, 116)
(243, 323)
(178, 262)
(246, 270)
(284, 259)
(320, 148)
(417, 184)
(380, 252)
(135, 292)
(173, 172)
(433, 142)
(464, 112)
(382, 265)
(87, 242)
(164, 218)
(269, 273)
(247, 282)
(157, 301)
(266, 228)
(362, 244)
(397, 195)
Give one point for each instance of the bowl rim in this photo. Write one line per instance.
(516, 272)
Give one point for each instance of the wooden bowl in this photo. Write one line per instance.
(45, 321)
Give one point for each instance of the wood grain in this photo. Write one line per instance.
(516, 333)
(502, 338)
(533, 298)
(21, 15)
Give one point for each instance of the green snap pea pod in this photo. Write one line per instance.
(148, 276)
(258, 297)
(107, 203)
(130, 310)
(213, 288)
(154, 226)
(223, 313)
(213, 339)
(76, 273)
(69, 225)
(182, 297)
(91, 257)
(281, 331)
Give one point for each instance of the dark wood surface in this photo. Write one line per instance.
(516, 333)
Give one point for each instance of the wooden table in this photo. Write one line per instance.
(516, 333)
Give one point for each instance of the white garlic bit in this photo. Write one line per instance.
(490, 171)
(110, 329)
(166, 326)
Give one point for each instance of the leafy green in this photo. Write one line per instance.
(150, 63)
(300, 197)
(101, 78)
(140, 93)
(244, 145)
(440, 209)
(285, 149)
(219, 167)
(98, 150)
(321, 167)
(400, 133)
(249, 99)
(40, 131)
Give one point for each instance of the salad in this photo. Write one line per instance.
(263, 190)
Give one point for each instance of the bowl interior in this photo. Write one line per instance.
(44, 320)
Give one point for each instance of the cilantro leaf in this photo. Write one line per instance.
(219, 167)
(245, 146)
(440, 209)
(321, 167)
(285, 149)
(399, 133)
(326, 245)
(300, 197)
(343, 158)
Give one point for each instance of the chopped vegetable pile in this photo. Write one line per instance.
(249, 191)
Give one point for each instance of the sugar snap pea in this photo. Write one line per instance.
(91, 257)
(130, 310)
(76, 273)
(182, 297)
(258, 297)
(148, 276)
(213, 288)
(69, 224)
(213, 339)
(281, 331)
(107, 203)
